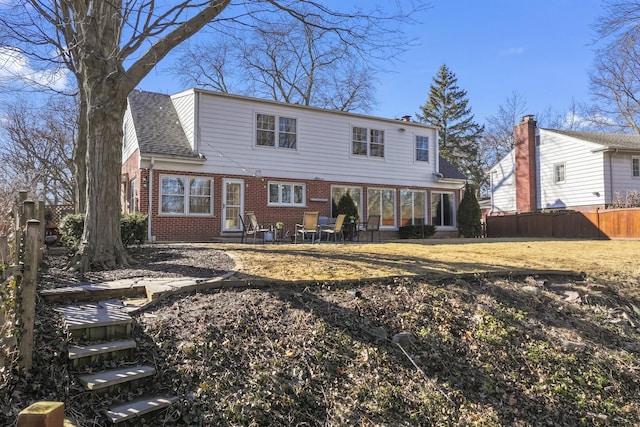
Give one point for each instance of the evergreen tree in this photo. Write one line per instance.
(469, 214)
(447, 108)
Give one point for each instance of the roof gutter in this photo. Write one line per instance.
(201, 159)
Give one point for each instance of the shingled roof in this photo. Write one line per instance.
(608, 140)
(157, 125)
(449, 171)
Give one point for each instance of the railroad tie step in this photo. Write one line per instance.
(96, 322)
(82, 355)
(139, 407)
(114, 377)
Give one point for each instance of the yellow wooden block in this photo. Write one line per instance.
(42, 414)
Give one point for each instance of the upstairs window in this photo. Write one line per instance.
(367, 142)
(285, 136)
(559, 173)
(635, 167)
(422, 148)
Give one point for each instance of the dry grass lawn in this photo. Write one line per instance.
(613, 261)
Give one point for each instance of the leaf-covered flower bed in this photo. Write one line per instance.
(484, 353)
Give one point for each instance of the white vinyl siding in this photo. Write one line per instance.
(583, 172)
(186, 195)
(503, 185)
(286, 194)
(184, 103)
(228, 141)
(130, 139)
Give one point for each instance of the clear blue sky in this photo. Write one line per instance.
(542, 49)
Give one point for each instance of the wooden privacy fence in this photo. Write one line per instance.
(601, 224)
(20, 256)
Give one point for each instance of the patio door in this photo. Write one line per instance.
(232, 204)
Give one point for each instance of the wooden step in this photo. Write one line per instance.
(95, 291)
(83, 355)
(138, 407)
(80, 351)
(96, 322)
(114, 377)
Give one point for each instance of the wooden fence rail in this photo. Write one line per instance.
(20, 255)
(601, 224)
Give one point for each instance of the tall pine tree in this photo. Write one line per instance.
(447, 108)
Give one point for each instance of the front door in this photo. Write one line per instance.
(232, 204)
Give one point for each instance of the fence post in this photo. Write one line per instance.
(4, 253)
(41, 243)
(28, 294)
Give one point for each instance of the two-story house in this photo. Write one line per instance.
(558, 169)
(197, 160)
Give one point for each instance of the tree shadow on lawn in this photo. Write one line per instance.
(399, 264)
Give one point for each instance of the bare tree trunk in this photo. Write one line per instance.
(79, 158)
(101, 246)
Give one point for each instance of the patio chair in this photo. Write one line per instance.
(251, 227)
(309, 226)
(335, 228)
(373, 225)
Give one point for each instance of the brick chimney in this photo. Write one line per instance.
(524, 134)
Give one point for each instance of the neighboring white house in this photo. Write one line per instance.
(197, 160)
(557, 169)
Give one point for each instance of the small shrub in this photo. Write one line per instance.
(133, 229)
(347, 206)
(70, 230)
(416, 231)
(469, 214)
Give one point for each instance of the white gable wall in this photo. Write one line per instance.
(227, 139)
(503, 185)
(184, 103)
(584, 171)
(130, 144)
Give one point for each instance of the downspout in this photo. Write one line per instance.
(150, 203)
(610, 180)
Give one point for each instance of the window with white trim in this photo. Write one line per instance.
(422, 148)
(133, 196)
(443, 209)
(367, 142)
(287, 194)
(284, 136)
(635, 167)
(185, 195)
(413, 207)
(559, 171)
(382, 202)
